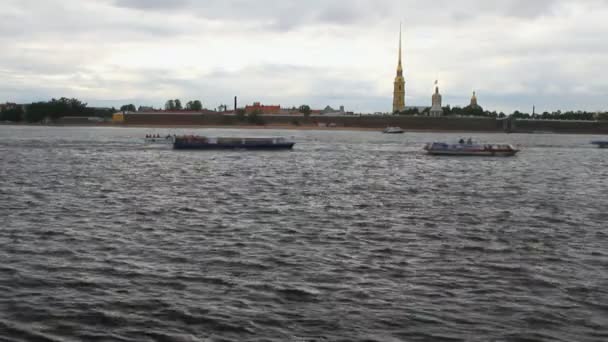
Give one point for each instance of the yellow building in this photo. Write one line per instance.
(399, 90)
(118, 118)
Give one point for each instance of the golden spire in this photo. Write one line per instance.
(399, 66)
(399, 84)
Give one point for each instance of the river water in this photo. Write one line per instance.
(352, 236)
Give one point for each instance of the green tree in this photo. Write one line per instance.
(36, 112)
(178, 104)
(13, 114)
(170, 105)
(409, 111)
(128, 108)
(196, 105)
(255, 117)
(241, 115)
(305, 109)
(447, 110)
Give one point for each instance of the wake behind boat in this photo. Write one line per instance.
(470, 149)
(191, 142)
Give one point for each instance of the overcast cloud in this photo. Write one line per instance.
(514, 53)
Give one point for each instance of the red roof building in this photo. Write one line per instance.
(262, 108)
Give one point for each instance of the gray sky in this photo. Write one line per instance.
(514, 53)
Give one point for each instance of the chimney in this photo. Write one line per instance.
(235, 108)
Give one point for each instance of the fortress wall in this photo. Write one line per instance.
(376, 122)
(598, 127)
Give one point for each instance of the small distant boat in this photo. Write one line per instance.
(158, 140)
(601, 143)
(393, 130)
(211, 143)
(485, 150)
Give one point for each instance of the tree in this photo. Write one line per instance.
(241, 114)
(409, 111)
(255, 117)
(13, 114)
(128, 108)
(178, 104)
(305, 109)
(170, 105)
(196, 105)
(447, 110)
(36, 112)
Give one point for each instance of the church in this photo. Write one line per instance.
(436, 109)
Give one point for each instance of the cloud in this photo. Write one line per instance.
(513, 52)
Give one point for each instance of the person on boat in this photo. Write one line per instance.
(461, 142)
(469, 141)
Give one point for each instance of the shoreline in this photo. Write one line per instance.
(283, 127)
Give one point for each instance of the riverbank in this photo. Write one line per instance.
(245, 127)
(597, 129)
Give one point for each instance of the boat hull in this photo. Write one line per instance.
(471, 150)
(600, 144)
(159, 141)
(261, 146)
(473, 153)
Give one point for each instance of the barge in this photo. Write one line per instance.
(601, 143)
(212, 143)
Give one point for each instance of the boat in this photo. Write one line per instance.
(158, 140)
(601, 143)
(470, 149)
(192, 142)
(393, 130)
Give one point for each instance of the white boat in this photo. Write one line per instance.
(393, 130)
(470, 149)
(158, 140)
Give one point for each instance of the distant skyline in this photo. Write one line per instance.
(514, 53)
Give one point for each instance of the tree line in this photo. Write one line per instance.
(479, 112)
(53, 110)
(177, 105)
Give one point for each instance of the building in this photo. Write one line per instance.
(436, 109)
(399, 84)
(273, 109)
(331, 111)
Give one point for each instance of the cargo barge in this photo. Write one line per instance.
(211, 143)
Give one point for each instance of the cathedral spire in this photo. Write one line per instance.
(399, 65)
(399, 84)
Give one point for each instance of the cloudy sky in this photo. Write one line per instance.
(514, 53)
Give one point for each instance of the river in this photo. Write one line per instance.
(352, 236)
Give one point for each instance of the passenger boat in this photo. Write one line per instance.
(209, 143)
(485, 150)
(600, 143)
(393, 130)
(158, 140)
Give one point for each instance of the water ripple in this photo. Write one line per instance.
(350, 237)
